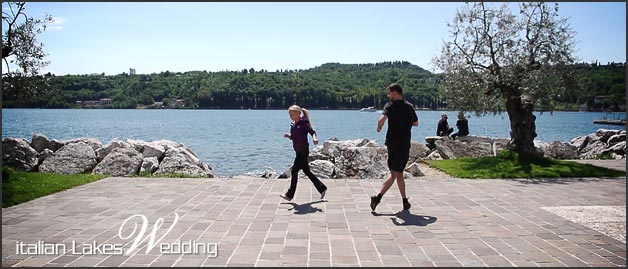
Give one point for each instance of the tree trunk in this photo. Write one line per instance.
(522, 126)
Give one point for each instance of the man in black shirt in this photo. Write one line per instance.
(401, 117)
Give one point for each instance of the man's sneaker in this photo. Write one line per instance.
(286, 197)
(406, 204)
(374, 202)
(323, 194)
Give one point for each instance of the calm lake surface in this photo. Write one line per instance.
(238, 142)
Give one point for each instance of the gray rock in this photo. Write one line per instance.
(593, 150)
(614, 139)
(334, 148)
(580, 142)
(44, 154)
(434, 156)
(181, 161)
(120, 162)
(362, 162)
(619, 149)
(39, 142)
(167, 144)
(605, 134)
(322, 169)
(153, 150)
(414, 170)
(431, 140)
(94, 143)
(137, 144)
(418, 151)
(18, 154)
(149, 165)
(286, 174)
(443, 146)
(102, 152)
(55, 145)
(73, 158)
(561, 150)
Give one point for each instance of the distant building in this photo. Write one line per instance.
(91, 103)
(600, 99)
(132, 71)
(105, 101)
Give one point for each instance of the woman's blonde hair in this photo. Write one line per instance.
(306, 112)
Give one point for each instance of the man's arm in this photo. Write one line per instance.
(380, 122)
(416, 123)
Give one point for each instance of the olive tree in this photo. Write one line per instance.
(503, 61)
(22, 55)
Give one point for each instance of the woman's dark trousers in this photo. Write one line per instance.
(301, 163)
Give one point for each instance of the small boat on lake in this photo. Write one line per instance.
(368, 109)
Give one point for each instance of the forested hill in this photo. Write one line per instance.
(329, 86)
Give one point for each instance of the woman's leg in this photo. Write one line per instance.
(296, 166)
(320, 187)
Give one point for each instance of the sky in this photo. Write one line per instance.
(153, 37)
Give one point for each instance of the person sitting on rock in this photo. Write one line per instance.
(463, 126)
(443, 128)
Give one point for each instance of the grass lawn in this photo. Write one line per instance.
(19, 187)
(510, 165)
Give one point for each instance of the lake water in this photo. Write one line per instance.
(237, 142)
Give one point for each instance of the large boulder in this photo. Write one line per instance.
(102, 152)
(154, 150)
(39, 142)
(561, 150)
(322, 169)
(73, 158)
(618, 138)
(618, 150)
(580, 142)
(55, 145)
(334, 148)
(120, 162)
(168, 144)
(418, 151)
(414, 170)
(94, 143)
(182, 161)
(18, 154)
(362, 162)
(149, 165)
(451, 149)
(592, 150)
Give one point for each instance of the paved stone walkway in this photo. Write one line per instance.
(452, 222)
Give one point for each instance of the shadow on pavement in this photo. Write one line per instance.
(305, 208)
(408, 218)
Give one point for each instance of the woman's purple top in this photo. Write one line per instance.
(298, 134)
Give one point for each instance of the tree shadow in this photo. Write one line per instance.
(408, 218)
(305, 208)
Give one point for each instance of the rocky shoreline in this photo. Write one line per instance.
(359, 158)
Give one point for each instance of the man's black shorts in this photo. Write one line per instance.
(398, 158)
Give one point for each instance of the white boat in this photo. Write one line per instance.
(368, 109)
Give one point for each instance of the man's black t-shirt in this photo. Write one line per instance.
(400, 115)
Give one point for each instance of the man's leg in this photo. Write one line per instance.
(388, 183)
(402, 190)
(401, 184)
